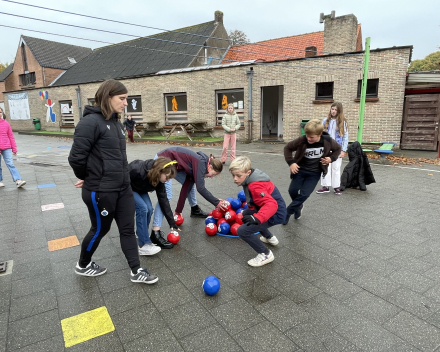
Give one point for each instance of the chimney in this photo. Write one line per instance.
(340, 33)
(218, 16)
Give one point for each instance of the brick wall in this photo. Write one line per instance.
(382, 118)
(2, 89)
(340, 34)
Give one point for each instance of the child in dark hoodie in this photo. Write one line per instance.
(313, 153)
(266, 208)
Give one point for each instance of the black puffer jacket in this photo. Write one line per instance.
(98, 152)
(141, 184)
(357, 173)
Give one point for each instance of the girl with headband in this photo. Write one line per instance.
(148, 176)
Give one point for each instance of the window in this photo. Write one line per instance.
(372, 88)
(91, 102)
(67, 119)
(225, 97)
(324, 91)
(23, 56)
(134, 108)
(27, 79)
(72, 60)
(176, 108)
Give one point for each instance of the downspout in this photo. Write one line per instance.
(44, 78)
(250, 74)
(78, 96)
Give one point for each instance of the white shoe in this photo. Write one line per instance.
(2, 184)
(149, 249)
(261, 259)
(20, 183)
(273, 240)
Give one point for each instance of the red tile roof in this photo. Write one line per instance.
(282, 48)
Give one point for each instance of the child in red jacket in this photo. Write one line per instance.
(266, 208)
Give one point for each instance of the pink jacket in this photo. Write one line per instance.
(7, 140)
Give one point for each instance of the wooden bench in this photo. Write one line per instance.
(385, 148)
(187, 126)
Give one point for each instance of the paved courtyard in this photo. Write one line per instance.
(359, 272)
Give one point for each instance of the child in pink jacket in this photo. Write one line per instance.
(7, 148)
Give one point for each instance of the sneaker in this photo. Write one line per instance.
(298, 212)
(273, 240)
(261, 259)
(286, 221)
(2, 184)
(20, 183)
(323, 190)
(143, 276)
(338, 191)
(149, 249)
(92, 269)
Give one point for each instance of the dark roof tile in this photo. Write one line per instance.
(6, 72)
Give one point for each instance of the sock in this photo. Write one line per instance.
(135, 270)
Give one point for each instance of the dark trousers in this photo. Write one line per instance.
(103, 208)
(130, 135)
(302, 185)
(247, 234)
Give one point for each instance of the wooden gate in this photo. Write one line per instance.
(420, 122)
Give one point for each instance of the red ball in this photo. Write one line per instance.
(178, 219)
(230, 216)
(239, 218)
(173, 237)
(210, 214)
(226, 205)
(211, 229)
(221, 221)
(234, 228)
(217, 213)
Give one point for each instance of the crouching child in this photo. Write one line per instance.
(266, 208)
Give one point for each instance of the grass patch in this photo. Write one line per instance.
(185, 139)
(51, 132)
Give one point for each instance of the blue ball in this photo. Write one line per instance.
(224, 228)
(245, 206)
(239, 210)
(211, 285)
(235, 203)
(210, 220)
(241, 196)
(229, 199)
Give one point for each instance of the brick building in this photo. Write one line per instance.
(285, 90)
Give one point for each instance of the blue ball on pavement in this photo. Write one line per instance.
(211, 285)
(224, 228)
(241, 196)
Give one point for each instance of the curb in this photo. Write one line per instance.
(46, 134)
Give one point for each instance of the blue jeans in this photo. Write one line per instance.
(302, 185)
(144, 211)
(180, 177)
(7, 156)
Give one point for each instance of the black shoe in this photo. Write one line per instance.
(157, 239)
(298, 212)
(287, 219)
(196, 212)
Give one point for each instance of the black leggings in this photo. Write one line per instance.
(103, 208)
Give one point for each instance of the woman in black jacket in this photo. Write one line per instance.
(148, 176)
(99, 160)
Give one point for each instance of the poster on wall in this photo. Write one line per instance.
(19, 106)
(65, 108)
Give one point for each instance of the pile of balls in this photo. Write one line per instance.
(226, 222)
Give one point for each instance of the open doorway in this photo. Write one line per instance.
(272, 113)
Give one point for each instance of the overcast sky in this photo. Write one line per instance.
(387, 22)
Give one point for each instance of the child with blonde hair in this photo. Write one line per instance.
(230, 123)
(266, 208)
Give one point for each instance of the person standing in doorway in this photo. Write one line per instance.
(8, 147)
(129, 125)
(98, 158)
(230, 123)
(336, 126)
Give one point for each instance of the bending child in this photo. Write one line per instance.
(148, 176)
(314, 152)
(266, 208)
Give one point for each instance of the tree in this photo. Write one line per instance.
(429, 63)
(3, 66)
(238, 37)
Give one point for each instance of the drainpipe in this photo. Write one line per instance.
(78, 95)
(250, 74)
(44, 78)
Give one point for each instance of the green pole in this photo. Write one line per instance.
(363, 90)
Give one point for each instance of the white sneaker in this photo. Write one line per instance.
(2, 184)
(261, 259)
(20, 183)
(273, 240)
(149, 249)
